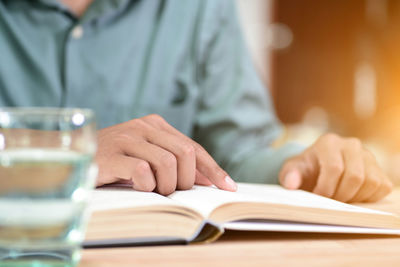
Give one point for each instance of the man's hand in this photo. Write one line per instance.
(339, 168)
(153, 155)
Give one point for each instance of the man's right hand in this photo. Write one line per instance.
(153, 155)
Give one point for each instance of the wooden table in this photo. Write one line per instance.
(265, 249)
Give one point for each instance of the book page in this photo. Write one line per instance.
(117, 197)
(283, 226)
(205, 199)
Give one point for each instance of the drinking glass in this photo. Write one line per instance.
(46, 175)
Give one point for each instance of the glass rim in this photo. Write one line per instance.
(54, 111)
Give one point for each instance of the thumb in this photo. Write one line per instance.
(291, 178)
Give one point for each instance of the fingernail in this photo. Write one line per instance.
(231, 183)
(292, 180)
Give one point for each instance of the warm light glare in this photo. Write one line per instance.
(364, 91)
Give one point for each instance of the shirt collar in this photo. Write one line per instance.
(97, 9)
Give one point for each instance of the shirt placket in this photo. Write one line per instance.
(72, 65)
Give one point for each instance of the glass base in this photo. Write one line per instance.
(35, 258)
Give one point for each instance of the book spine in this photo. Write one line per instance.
(208, 232)
(133, 242)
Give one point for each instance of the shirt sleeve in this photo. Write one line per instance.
(236, 122)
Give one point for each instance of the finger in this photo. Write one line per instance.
(354, 175)
(384, 189)
(184, 153)
(290, 175)
(201, 179)
(330, 169)
(214, 173)
(136, 171)
(204, 162)
(300, 172)
(162, 162)
(378, 179)
(142, 177)
(124, 181)
(373, 178)
(292, 180)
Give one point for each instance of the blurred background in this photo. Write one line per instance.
(331, 65)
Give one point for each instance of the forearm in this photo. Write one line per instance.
(262, 165)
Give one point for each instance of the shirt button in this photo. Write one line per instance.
(77, 32)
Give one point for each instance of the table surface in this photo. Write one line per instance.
(265, 248)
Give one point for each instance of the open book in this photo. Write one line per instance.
(122, 216)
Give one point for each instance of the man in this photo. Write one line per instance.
(186, 62)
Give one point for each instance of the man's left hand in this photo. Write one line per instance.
(338, 168)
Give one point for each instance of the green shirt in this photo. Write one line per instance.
(184, 60)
